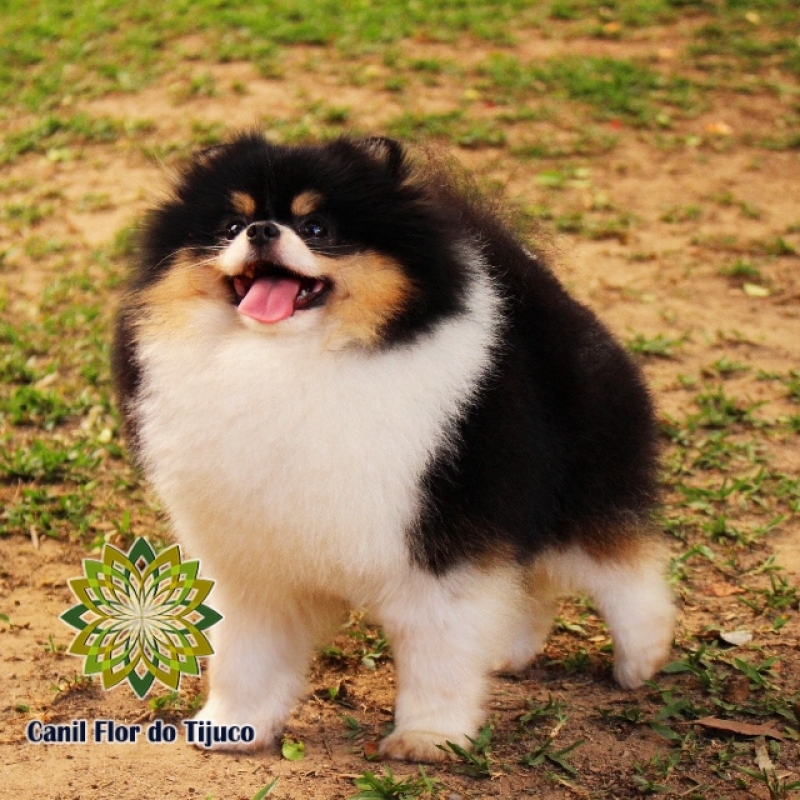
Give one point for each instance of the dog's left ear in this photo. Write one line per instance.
(388, 152)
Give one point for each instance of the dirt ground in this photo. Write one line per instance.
(663, 275)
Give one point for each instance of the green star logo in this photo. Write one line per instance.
(140, 617)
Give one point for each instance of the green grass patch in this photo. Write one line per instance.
(63, 49)
(614, 88)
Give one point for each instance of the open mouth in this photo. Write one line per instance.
(271, 293)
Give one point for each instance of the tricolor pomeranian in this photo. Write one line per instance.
(354, 387)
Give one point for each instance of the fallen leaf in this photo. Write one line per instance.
(292, 750)
(371, 752)
(742, 728)
(763, 761)
(719, 129)
(737, 638)
(754, 290)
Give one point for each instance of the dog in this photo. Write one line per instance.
(354, 386)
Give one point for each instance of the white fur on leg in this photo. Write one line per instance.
(531, 629)
(638, 607)
(633, 597)
(258, 669)
(446, 635)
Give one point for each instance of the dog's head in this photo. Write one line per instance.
(343, 238)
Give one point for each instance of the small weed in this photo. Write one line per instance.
(628, 714)
(552, 709)
(647, 786)
(30, 406)
(792, 384)
(701, 664)
(476, 761)
(354, 728)
(660, 346)
(48, 511)
(46, 463)
(779, 787)
(266, 790)
(780, 596)
(778, 247)
(741, 269)
(387, 787)
(724, 368)
(56, 134)
(453, 126)
(682, 214)
(546, 754)
(718, 410)
(175, 705)
(66, 687)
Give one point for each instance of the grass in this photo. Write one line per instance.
(613, 88)
(557, 130)
(388, 787)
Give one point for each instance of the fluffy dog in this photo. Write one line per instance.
(353, 386)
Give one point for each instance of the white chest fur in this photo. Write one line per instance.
(306, 463)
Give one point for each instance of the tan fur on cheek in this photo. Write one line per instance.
(370, 290)
(165, 305)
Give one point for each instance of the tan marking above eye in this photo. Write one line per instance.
(243, 204)
(306, 203)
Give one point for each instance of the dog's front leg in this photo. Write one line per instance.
(259, 666)
(446, 635)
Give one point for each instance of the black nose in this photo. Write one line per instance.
(262, 232)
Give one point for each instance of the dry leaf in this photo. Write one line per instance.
(737, 638)
(371, 750)
(719, 129)
(754, 290)
(763, 761)
(742, 728)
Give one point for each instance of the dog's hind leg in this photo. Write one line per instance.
(626, 581)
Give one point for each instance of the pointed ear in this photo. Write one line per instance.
(205, 158)
(387, 152)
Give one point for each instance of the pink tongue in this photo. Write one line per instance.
(270, 299)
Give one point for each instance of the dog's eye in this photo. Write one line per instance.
(313, 228)
(233, 229)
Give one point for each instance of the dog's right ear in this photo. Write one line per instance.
(205, 158)
(388, 152)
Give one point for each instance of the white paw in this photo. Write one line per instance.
(215, 729)
(634, 666)
(521, 655)
(426, 746)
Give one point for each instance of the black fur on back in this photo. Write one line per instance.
(560, 444)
